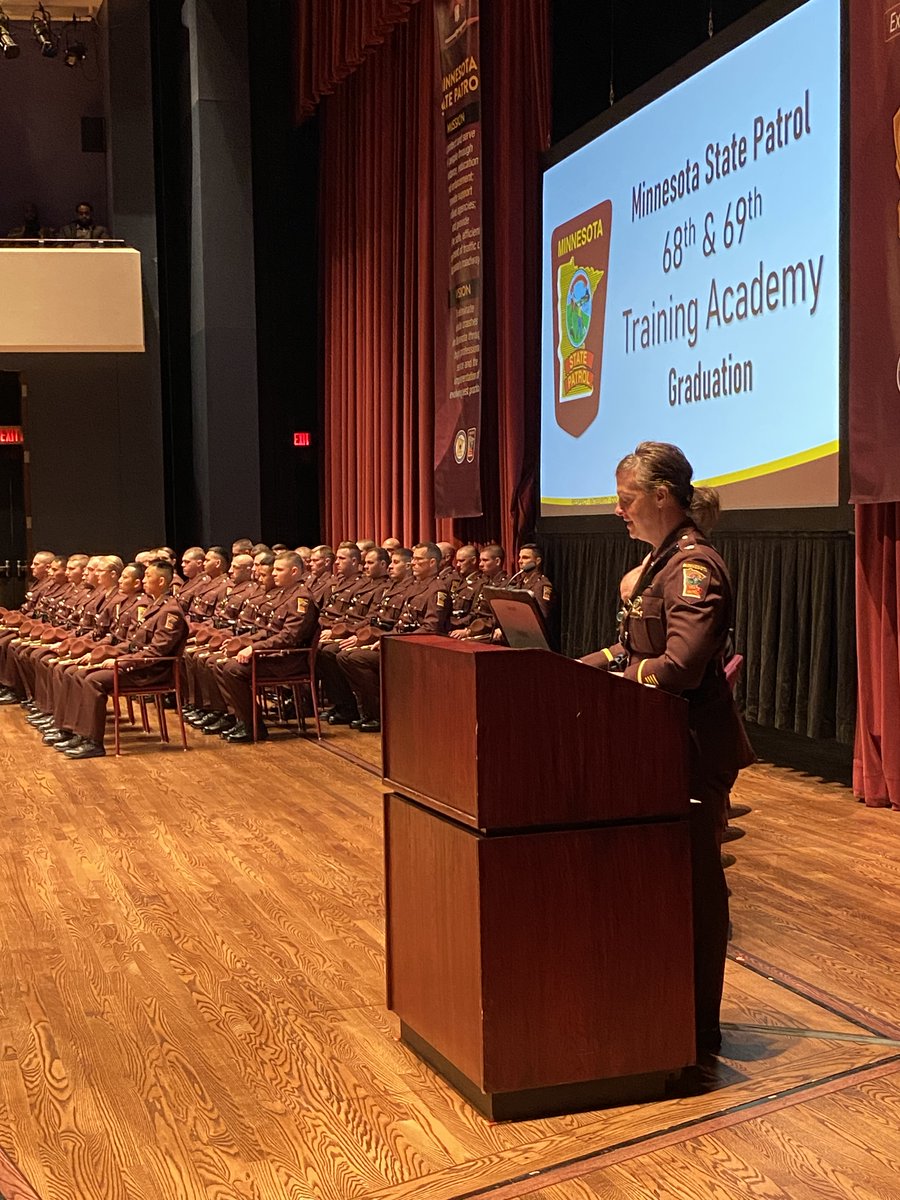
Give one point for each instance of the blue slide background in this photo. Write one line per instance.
(794, 402)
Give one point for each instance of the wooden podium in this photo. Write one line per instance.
(538, 887)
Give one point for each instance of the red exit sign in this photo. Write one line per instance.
(302, 439)
(11, 435)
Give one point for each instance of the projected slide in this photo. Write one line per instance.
(691, 281)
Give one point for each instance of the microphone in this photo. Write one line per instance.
(524, 571)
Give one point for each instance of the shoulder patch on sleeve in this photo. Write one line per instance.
(442, 598)
(302, 604)
(172, 622)
(548, 591)
(694, 580)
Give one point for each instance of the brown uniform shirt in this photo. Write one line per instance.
(426, 608)
(160, 632)
(540, 587)
(385, 612)
(675, 635)
(290, 621)
(482, 622)
(320, 589)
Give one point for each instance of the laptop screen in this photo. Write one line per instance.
(519, 616)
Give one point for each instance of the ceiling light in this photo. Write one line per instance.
(42, 28)
(8, 46)
(76, 51)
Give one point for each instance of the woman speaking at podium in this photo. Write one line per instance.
(674, 631)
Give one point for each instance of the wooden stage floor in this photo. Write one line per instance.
(192, 999)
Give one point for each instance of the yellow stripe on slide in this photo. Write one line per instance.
(769, 468)
(777, 464)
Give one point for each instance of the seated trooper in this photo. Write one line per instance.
(211, 714)
(320, 579)
(465, 587)
(291, 624)
(110, 639)
(426, 609)
(363, 607)
(479, 622)
(531, 578)
(192, 569)
(161, 633)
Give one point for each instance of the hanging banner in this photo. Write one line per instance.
(458, 259)
(874, 227)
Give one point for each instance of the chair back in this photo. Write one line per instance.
(733, 669)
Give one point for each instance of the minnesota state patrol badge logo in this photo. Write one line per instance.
(694, 576)
(459, 446)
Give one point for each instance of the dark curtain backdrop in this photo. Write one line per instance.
(876, 759)
(376, 281)
(794, 619)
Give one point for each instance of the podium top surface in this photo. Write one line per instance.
(503, 739)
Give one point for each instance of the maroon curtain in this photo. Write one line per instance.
(876, 762)
(333, 37)
(377, 271)
(376, 289)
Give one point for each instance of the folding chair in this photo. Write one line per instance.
(300, 675)
(142, 692)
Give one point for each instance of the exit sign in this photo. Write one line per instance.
(11, 435)
(302, 439)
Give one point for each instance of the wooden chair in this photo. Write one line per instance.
(122, 688)
(300, 677)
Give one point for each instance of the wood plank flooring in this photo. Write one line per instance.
(192, 998)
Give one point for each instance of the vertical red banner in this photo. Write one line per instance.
(874, 251)
(458, 260)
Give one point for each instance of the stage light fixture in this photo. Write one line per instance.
(42, 28)
(8, 46)
(75, 51)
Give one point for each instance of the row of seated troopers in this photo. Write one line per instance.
(86, 620)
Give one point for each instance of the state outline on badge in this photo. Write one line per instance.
(580, 255)
(694, 580)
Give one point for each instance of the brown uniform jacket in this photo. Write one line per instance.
(385, 612)
(204, 599)
(540, 587)
(482, 622)
(291, 620)
(33, 595)
(462, 595)
(232, 601)
(161, 633)
(675, 635)
(320, 589)
(362, 604)
(122, 616)
(426, 608)
(337, 604)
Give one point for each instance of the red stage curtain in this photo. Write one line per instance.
(376, 278)
(876, 763)
(332, 39)
(376, 292)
